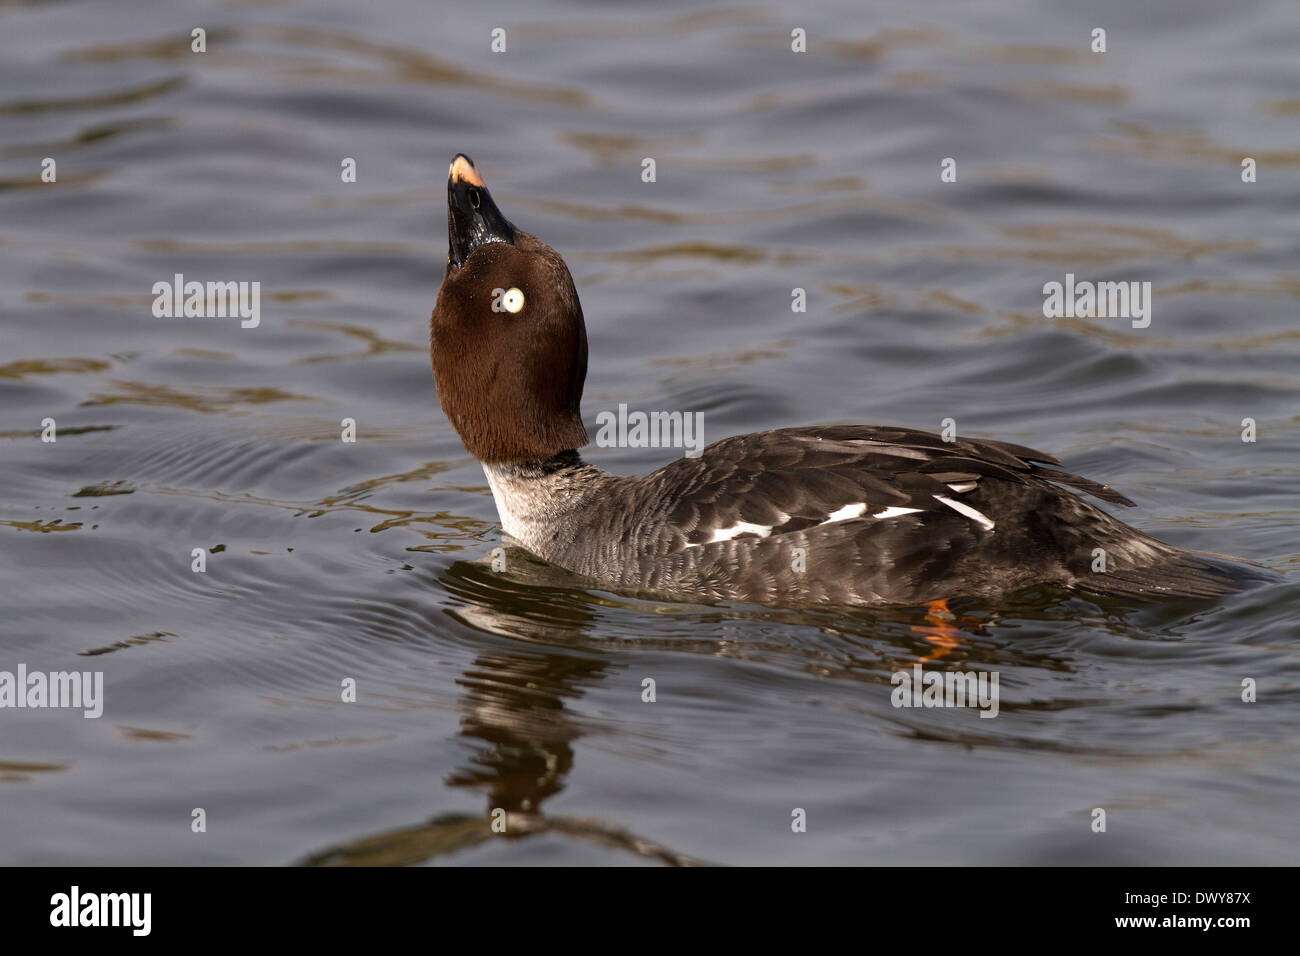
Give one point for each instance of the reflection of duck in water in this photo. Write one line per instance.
(515, 698)
(844, 514)
(514, 710)
(515, 705)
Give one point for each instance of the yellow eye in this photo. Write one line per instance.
(513, 300)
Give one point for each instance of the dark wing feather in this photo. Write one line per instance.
(1104, 492)
(792, 479)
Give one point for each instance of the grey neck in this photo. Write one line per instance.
(537, 500)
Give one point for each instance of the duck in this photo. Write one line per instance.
(839, 514)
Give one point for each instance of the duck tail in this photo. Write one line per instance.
(1179, 573)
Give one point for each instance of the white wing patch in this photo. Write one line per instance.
(739, 528)
(895, 512)
(857, 510)
(847, 512)
(981, 519)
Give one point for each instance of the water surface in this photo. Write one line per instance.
(371, 561)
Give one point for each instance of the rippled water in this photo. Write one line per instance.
(480, 690)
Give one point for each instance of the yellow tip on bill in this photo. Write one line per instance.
(462, 169)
